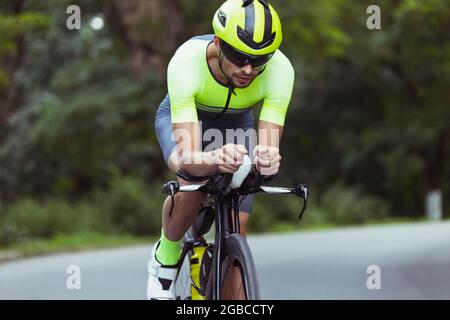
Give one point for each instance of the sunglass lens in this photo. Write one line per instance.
(240, 59)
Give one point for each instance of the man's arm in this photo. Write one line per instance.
(190, 158)
(188, 155)
(269, 134)
(278, 82)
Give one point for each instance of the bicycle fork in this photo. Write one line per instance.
(224, 227)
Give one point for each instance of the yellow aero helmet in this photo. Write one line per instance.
(250, 26)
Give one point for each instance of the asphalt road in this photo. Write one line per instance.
(413, 261)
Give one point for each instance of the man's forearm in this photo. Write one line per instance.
(198, 163)
(269, 134)
(267, 152)
(188, 155)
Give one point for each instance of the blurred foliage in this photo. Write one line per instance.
(13, 27)
(128, 206)
(343, 205)
(367, 128)
(338, 205)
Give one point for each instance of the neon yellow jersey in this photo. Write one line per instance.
(192, 86)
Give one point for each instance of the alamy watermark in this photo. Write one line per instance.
(214, 139)
(73, 282)
(73, 21)
(374, 280)
(374, 20)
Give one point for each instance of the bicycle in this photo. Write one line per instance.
(230, 249)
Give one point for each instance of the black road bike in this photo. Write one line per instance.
(228, 259)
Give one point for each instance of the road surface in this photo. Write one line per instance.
(413, 262)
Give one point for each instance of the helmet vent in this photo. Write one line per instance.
(264, 3)
(222, 18)
(246, 35)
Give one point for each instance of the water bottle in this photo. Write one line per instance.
(197, 292)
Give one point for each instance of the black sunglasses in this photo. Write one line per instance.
(241, 59)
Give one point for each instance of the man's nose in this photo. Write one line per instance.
(247, 69)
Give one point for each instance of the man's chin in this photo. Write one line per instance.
(240, 83)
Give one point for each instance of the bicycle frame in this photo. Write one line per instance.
(225, 203)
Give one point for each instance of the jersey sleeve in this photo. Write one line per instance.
(182, 83)
(278, 85)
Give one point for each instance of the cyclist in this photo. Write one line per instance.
(213, 83)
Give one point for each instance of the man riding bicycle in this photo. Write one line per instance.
(213, 83)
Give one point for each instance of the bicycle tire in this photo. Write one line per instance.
(237, 252)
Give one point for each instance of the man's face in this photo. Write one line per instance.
(241, 77)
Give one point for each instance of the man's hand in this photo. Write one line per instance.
(229, 158)
(267, 159)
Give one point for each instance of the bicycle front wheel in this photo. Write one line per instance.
(239, 279)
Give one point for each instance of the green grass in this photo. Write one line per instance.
(72, 242)
(395, 221)
(282, 227)
(298, 226)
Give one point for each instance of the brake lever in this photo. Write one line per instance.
(171, 188)
(303, 192)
